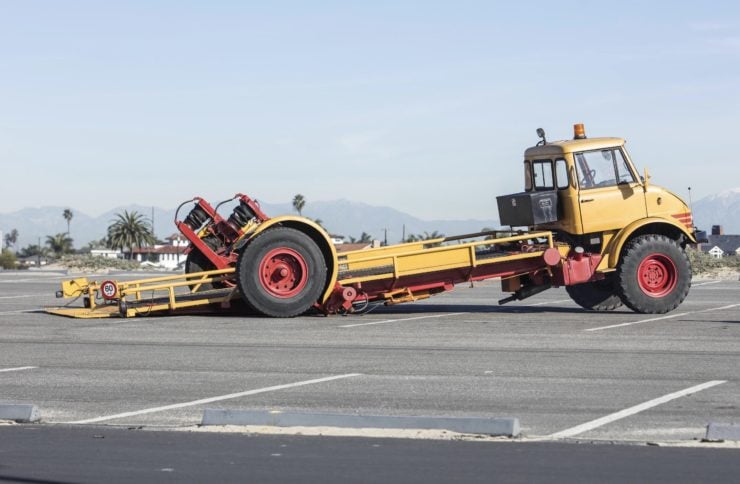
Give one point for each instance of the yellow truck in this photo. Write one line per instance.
(586, 220)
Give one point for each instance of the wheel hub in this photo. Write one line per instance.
(283, 272)
(657, 275)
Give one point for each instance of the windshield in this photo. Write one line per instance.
(602, 168)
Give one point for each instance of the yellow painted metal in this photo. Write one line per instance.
(614, 249)
(107, 311)
(173, 304)
(74, 287)
(133, 295)
(411, 259)
(405, 295)
(559, 148)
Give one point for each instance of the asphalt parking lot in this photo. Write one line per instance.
(542, 360)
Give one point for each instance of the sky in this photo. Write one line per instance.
(420, 105)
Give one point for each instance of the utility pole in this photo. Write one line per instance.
(153, 222)
(385, 236)
(38, 254)
(403, 237)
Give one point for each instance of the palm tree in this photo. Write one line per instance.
(129, 230)
(33, 250)
(298, 203)
(433, 235)
(11, 238)
(97, 244)
(67, 214)
(365, 238)
(59, 244)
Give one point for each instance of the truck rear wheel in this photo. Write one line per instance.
(654, 275)
(281, 273)
(197, 262)
(597, 295)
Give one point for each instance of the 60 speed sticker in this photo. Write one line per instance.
(108, 290)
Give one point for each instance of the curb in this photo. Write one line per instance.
(22, 413)
(468, 425)
(723, 431)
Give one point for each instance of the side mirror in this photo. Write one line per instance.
(645, 180)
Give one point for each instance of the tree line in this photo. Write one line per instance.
(131, 230)
(126, 232)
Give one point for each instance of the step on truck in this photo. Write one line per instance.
(586, 220)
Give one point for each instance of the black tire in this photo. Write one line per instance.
(654, 275)
(597, 295)
(197, 262)
(281, 273)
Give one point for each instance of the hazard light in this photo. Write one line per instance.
(579, 131)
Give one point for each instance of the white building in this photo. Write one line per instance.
(168, 256)
(107, 253)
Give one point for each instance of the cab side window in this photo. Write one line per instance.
(561, 174)
(542, 175)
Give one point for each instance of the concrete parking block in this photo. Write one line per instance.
(19, 412)
(723, 431)
(468, 425)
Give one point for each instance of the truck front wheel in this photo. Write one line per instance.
(281, 273)
(654, 275)
(597, 296)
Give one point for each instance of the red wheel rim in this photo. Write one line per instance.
(657, 275)
(283, 272)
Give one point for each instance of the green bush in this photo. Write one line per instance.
(8, 260)
(701, 262)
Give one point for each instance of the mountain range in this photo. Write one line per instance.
(340, 217)
(722, 209)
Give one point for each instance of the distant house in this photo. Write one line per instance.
(337, 239)
(106, 253)
(33, 261)
(167, 256)
(720, 245)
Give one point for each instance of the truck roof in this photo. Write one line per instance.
(554, 148)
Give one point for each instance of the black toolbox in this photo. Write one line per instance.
(528, 208)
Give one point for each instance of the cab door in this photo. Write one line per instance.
(609, 195)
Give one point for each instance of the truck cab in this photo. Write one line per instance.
(595, 189)
(588, 192)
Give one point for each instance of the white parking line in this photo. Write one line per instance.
(18, 368)
(386, 321)
(15, 281)
(705, 283)
(670, 316)
(214, 399)
(579, 429)
(21, 296)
